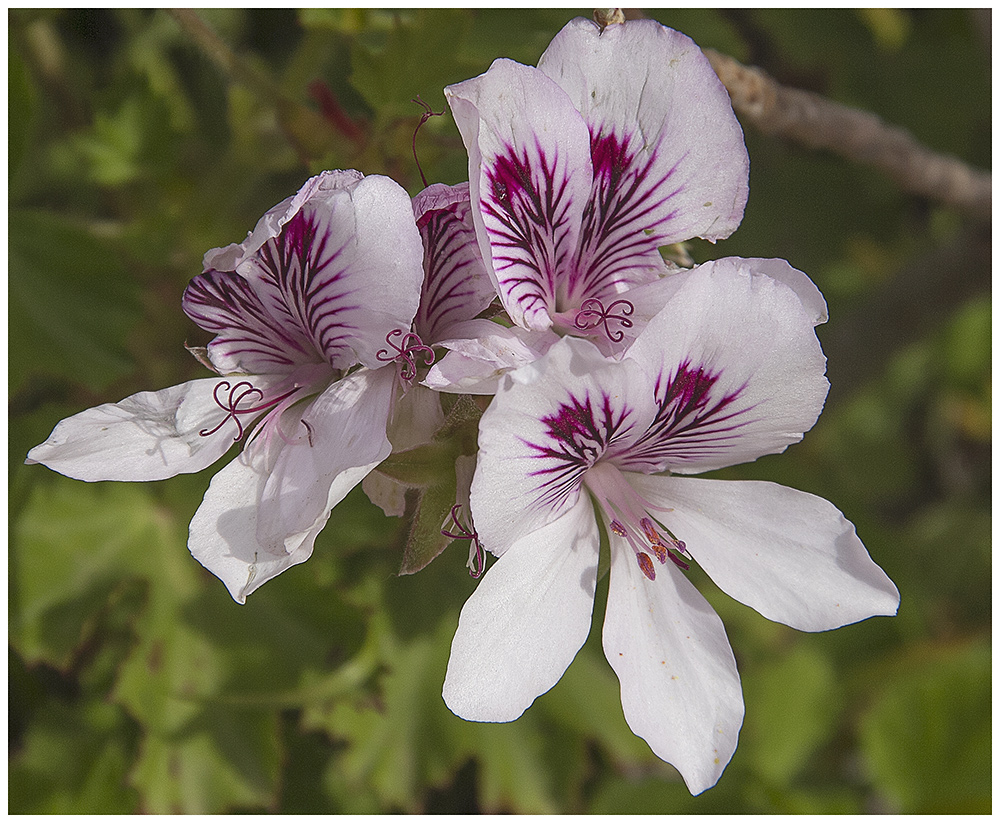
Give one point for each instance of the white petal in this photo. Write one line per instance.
(339, 439)
(547, 426)
(269, 226)
(650, 90)
(530, 178)
(525, 622)
(345, 269)
(223, 532)
(774, 267)
(790, 555)
(738, 368)
(148, 436)
(481, 352)
(680, 688)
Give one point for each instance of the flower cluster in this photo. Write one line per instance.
(608, 375)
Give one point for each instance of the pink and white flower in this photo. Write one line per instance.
(301, 313)
(621, 141)
(729, 370)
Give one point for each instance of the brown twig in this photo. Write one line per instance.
(856, 135)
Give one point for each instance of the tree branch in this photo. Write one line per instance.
(856, 135)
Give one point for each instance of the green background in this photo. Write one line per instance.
(137, 684)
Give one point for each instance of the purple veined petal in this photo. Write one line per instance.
(738, 372)
(345, 269)
(549, 424)
(679, 684)
(152, 435)
(456, 286)
(481, 352)
(248, 339)
(338, 439)
(790, 555)
(530, 178)
(669, 156)
(270, 225)
(524, 624)
(223, 532)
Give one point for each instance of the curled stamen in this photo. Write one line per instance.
(593, 314)
(237, 393)
(409, 345)
(477, 558)
(427, 115)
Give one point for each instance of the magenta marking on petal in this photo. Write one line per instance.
(689, 423)
(452, 266)
(311, 283)
(593, 313)
(530, 232)
(623, 218)
(224, 303)
(409, 346)
(577, 436)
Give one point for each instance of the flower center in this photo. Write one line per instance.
(409, 346)
(593, 313)
(628, 516)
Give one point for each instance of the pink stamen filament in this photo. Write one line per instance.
(593, 314)
(427, 115)
(625, 508)
(477, 560)
(409, 345)
(237, 393)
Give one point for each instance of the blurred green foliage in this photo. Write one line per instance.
(136, 684)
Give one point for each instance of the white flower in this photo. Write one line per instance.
(621, 141)
(326, 278)
(728, 371)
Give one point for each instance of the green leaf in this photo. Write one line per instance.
(927, 740)
(74, 545)
(792, 708)
(77, 544)
(426, 539)
(419, 58)
(71, 303)
(74, 760)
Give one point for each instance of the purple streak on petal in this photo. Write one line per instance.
(620, 235)
(529, 231)
(248, 338)
(310, 281)
(456, 285)
(690, 422)
(578, 435)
